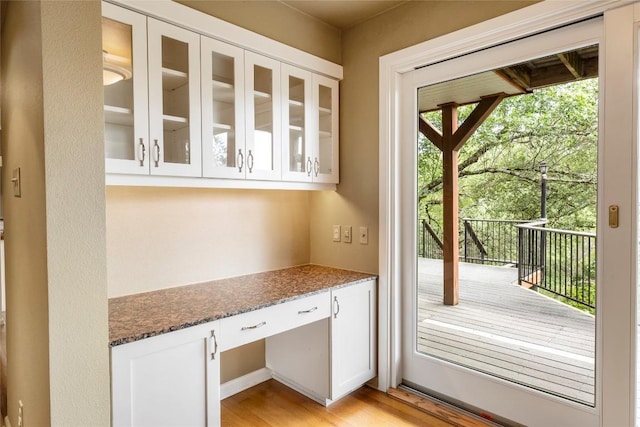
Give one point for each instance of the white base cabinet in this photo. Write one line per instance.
(332, 357)
(167, 380)
(322, 345)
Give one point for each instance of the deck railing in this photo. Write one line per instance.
(561, 262)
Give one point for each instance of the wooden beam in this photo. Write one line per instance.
(476, 118)
(450, 204)
(519, 75)
(431, 133)
(574, 63)
(557, 74)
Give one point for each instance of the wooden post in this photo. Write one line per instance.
(450, 203)
(449, 142)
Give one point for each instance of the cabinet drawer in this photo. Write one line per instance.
(254, 325)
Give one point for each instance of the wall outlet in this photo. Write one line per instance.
(346, 233)
(336, 233)
(364, 235)
(20, 414)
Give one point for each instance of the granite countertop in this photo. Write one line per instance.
(134, 317)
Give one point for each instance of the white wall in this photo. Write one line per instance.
(58, 358)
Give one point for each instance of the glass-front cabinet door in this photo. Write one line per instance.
(174, 100)
(126, 130)
(297, 137)
(325, 160)
(222, 109)
(261, 157)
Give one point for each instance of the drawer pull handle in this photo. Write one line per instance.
(259, 325)
(311, 310)
(215, 345)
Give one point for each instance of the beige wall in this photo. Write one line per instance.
(356, 201)
(55, 240)
(278, 22)
(165, 237)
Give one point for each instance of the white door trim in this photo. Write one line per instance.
(515, 25)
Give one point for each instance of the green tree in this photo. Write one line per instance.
(499, 165)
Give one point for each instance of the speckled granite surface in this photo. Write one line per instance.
(139, 316)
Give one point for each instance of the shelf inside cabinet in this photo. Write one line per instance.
(118, 115)
(173, 79)
(296, 128)
(324, 111)
(223, 92)
(221, 126)
(261, 97)
(174, 122)
(324, 134)
(293, 103)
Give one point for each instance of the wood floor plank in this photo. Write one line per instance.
(272, 404)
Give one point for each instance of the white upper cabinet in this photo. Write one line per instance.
(222, 109)
(180, 104)
(263, 108)
(174, 100)
(325, 161)
(310, 115)
(124, 36)
(297, 116)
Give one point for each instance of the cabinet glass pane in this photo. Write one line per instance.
(176, 145)
(118, 90)
(263, 115)
(297, 147)
(223, 88)
(325, 138)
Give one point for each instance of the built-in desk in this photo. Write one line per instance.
(318, 322)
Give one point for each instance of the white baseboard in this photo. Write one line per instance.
(244, 382)
(302, 390)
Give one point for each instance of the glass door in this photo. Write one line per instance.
(500, 307)
(124, 58)
(325, 159)
(174, 100)
(222, 109)
(262, 158)
(297, 138)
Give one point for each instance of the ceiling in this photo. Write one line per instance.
(513, 80)
(343, 14)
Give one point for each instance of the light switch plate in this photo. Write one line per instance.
(346, 234)
(336, 233)
(364, 235)
(15, 179)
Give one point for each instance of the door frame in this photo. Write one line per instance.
(617, 367)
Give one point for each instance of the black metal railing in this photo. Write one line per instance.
(490, 241)
(429, 244)
(561, 262)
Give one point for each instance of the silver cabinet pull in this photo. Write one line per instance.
(316, 166)
(142, 152)
(336, 307)
(214, 344)
(309, 166)
(240, 160)
(259, 325)
(156, 147)
(311, 310)
(250, 161)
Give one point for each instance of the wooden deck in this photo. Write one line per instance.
(505, 330)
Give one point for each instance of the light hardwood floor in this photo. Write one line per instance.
(273, 404)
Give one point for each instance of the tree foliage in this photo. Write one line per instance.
(499, 165)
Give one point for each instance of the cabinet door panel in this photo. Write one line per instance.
(174, 100)
(222, 109)
(326, 158)
(297, 124)
(124, 38)
(167, 380)
(352, 337)
(263, 136)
